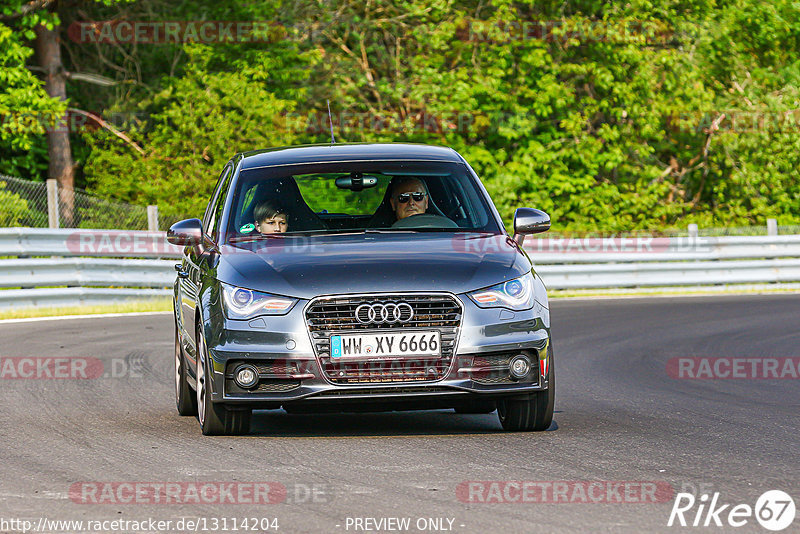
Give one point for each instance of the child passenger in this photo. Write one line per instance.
(270, 220)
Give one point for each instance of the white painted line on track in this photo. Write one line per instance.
(88, 316)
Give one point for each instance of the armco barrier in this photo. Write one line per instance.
(74, 296)
(78, 242)
(650, 249)
(692, 273)
(97, 266)
(39, 272)
(103, 266)
(633, 262)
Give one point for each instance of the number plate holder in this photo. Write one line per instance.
(381, 345)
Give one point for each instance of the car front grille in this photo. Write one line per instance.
(266, 384)
(337, 315)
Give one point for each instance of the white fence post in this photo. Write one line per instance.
(772, 227)
(693, 231)
(152, 218)
(52, 203)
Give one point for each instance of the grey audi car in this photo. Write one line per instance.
(358, 277)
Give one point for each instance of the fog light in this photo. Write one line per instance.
(246, 376)
(520, 366)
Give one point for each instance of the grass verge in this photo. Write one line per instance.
(672, 291)
(150, 305)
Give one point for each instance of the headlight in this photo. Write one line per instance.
(241, 303)
(516, 294)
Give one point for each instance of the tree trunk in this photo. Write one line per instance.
(62, 167)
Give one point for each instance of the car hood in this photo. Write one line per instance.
(306, 267)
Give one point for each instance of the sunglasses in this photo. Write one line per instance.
(402, 198)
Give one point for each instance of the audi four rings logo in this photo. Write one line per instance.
(389, 312)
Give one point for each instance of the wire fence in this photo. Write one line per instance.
(22, 203)
(25, 203)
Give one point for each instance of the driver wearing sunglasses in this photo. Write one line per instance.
(409, 197)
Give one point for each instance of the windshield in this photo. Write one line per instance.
(357, 197)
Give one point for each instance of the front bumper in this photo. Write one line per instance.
(283, 350)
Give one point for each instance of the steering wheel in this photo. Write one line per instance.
(425, 220)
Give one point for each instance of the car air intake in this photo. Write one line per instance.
(276, 375)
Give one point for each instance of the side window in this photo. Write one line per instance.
(214, 209)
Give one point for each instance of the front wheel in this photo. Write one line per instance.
(185, 399)
(215, 418)
(535, 413)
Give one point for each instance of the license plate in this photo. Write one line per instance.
(382, 345)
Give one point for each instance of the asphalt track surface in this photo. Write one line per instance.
(619, 417)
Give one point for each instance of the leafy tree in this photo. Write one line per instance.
(196, 123)
(12, 207)
(26, 111)
(611, 117)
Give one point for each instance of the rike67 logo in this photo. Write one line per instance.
(774, 510)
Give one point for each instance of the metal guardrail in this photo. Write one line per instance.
(78, 242)
(74, 296)
(96, 266)
(106, 266)
(546, 250)
(622, 262)
(86, 272)
(598, 276)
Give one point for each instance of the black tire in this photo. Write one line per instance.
(535, 413)
(216, 419)
(477, 407)
(185, 398)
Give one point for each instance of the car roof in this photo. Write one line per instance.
(323, 153)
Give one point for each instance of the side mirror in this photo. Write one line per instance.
(529, 221)
(186, 233)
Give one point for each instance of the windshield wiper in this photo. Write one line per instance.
(423, 229)
(255, 237)
(388, 230)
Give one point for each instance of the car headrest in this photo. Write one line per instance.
(284, 194)
(384, 216)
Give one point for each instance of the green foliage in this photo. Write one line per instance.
(12, 207)
(25, 109)
(197, 122)
(320, 193)
(615, 117)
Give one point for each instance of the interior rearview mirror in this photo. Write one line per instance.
(356, 181)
